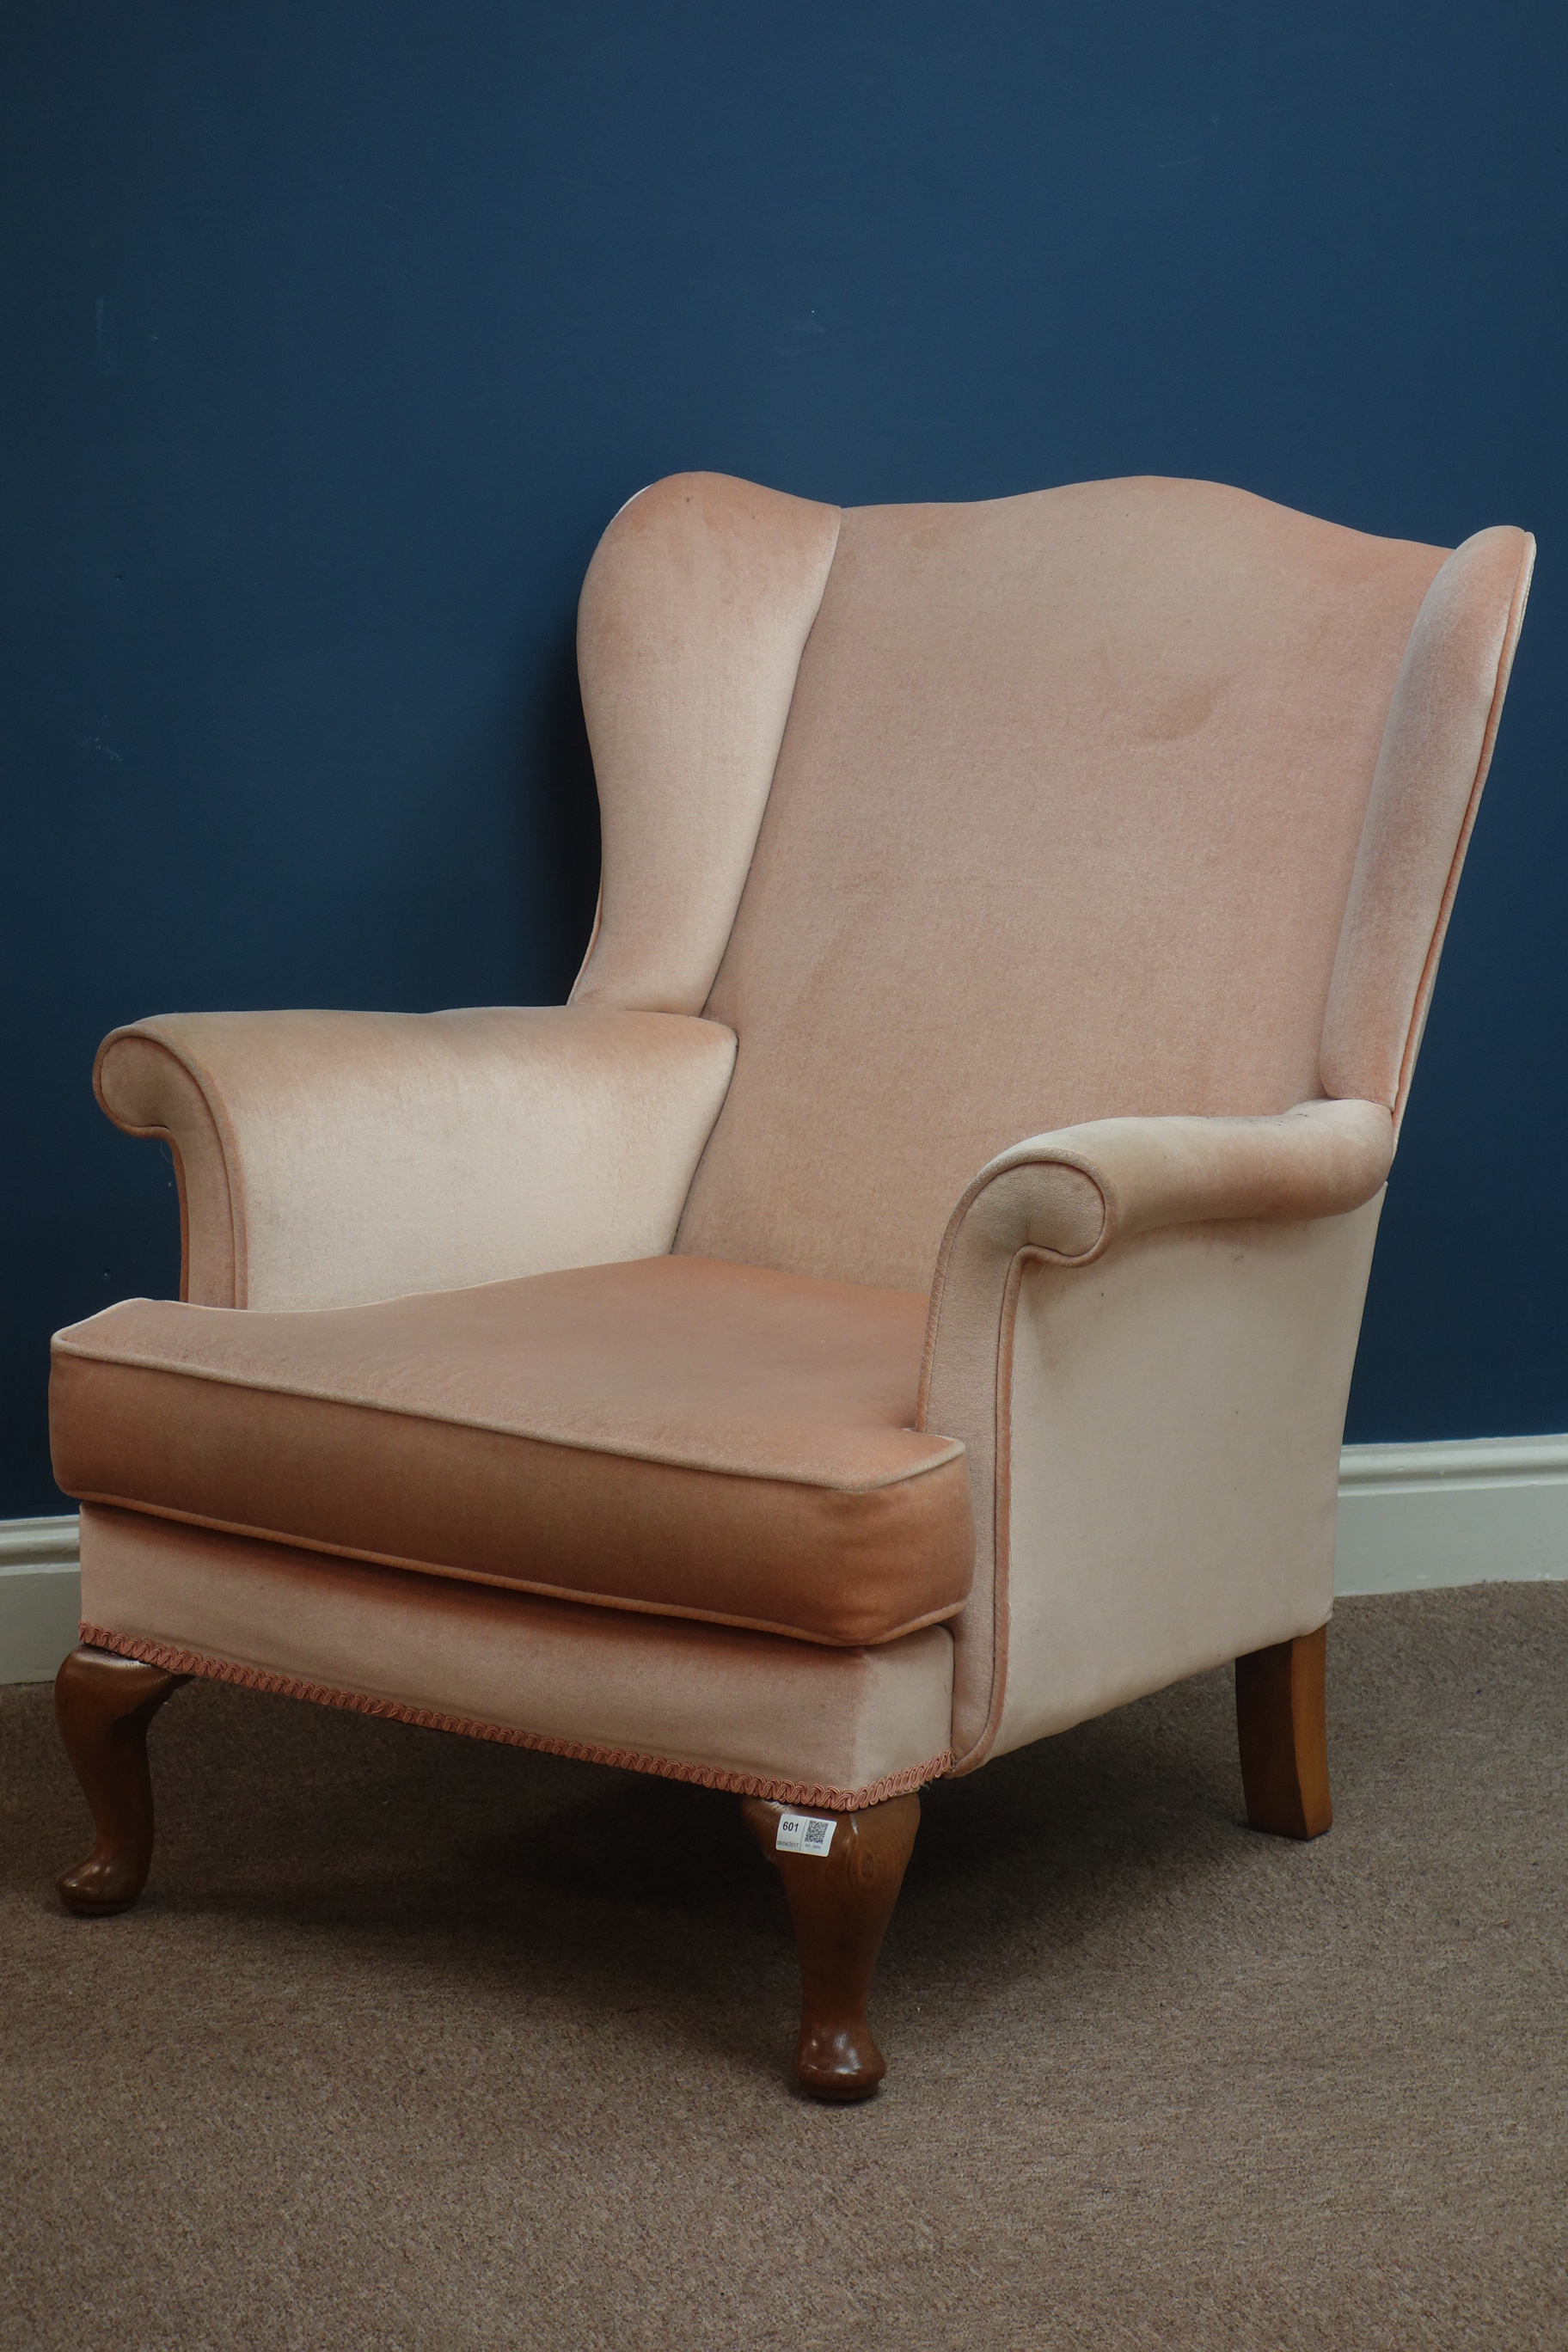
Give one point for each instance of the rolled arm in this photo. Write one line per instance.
(325, 1159)
(1169, 1356)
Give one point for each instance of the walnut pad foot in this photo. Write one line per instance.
(1280, 1715)
(103, 1705)
(840, 1901)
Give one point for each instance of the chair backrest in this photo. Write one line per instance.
(976, 821)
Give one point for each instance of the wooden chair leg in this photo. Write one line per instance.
(103, 1705)
(840, 1902)
(1280, 1697)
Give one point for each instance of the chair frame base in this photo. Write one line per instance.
(840, 1902)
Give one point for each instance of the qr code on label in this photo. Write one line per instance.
(805, 1832)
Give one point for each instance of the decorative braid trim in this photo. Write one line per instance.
(706, 1776)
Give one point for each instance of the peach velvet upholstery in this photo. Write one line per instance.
(1437, 749)
(703, 1440)
(330, 1158)
(1063, 826)
(1167, 1447)
(1237, 1345)
(777, 1718)
(1123, 818)
(697, 603)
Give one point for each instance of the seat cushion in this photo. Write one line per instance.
(693, 1438)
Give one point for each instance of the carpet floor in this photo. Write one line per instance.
(419, 2042)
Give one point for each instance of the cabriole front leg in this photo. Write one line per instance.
(103, 1705)
(840, 1901)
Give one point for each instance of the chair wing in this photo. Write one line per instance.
(697, 603)
(1437, 749)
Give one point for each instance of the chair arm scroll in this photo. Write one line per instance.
(326, 1159)
(1057, 1204)
(1070, 1195)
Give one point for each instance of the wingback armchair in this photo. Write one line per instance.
(904, 1303)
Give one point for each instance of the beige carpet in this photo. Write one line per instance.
(418, 2042)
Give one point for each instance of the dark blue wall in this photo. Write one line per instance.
(333, 334)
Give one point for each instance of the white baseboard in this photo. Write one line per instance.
(1468, 1510)
(40, 1596)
